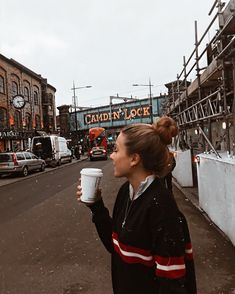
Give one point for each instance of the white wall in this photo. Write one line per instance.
(183, 170)
(216, 187)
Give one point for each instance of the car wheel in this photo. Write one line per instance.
(59, 162)
(42, 167)
(25, 171)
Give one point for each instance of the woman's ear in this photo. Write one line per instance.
(135, 160)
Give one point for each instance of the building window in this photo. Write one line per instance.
(14, 89)
(28, 121)
(17, 120)
(37, 122)
(50, 99)
(2, 88)
(26, 93)
(51, 123)
(3, 118)
(35, 98)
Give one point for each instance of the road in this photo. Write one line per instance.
(49, 245)
(47, 241)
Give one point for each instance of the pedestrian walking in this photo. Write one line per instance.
(77, 152)
(147, 235)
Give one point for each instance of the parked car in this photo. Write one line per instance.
(20, 162)
(98, 153)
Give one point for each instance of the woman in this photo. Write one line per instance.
(147, 236)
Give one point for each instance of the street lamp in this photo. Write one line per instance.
(150, 97)
(75, 103)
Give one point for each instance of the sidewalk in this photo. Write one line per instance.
(214, 254)
(191, 193)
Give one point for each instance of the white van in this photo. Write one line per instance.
(53, 149)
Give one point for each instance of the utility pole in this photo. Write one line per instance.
(150, 97)
(151, 100)
(75, 104)
(75, 107)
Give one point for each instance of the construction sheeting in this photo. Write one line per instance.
(183, 170)
(216, 186)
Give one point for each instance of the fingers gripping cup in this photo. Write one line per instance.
(90, 180)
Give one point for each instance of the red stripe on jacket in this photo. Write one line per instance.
(131, 254)
(167, 267)
(170, 267)
(188, 251)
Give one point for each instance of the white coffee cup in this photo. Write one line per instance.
(90, 180)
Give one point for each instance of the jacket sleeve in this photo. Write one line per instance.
(172, 251)
(103, 223)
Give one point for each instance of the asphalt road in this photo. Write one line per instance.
(49, 245)
(47, 241)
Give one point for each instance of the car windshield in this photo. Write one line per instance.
(5, 157)
(98, 147)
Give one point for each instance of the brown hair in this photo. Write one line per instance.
(150, 142)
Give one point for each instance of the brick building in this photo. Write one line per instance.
(27, 105)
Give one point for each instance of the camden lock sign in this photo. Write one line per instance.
(117, 115)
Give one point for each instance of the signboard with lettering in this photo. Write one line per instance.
(9, 134)
(120, 114)
(116, 115)
(15, 135)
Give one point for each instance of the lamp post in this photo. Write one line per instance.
(75, 103)
(150, 97)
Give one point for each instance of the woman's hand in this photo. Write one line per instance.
(79, 194)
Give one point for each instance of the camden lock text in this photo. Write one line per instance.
(121, 114)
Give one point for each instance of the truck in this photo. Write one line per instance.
(52, 148)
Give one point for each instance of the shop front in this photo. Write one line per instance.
(14, 140)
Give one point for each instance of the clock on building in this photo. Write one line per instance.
(18, 101)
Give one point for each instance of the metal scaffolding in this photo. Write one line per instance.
(208, 101)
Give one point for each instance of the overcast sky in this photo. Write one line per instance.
(108, 44)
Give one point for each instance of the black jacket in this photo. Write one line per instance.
(152, 253)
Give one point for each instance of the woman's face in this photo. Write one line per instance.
(121, 160)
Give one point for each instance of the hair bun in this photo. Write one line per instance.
(166, 128)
